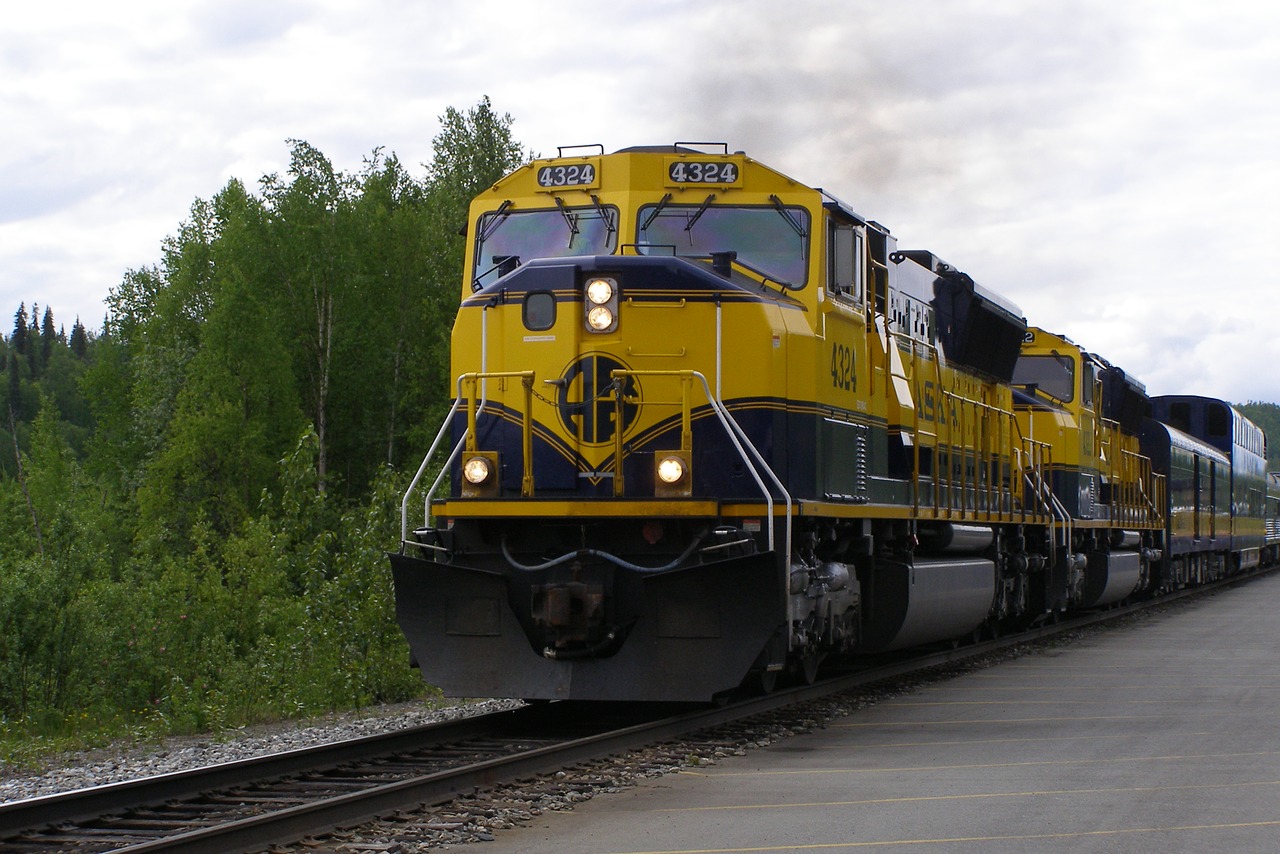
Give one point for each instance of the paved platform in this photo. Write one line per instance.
(1163, 735)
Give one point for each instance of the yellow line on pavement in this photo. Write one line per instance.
(958, 840)
(977, 796)
(1171, 757)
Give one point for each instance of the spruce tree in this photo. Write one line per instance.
(48, 335)
(19, 339)
(79, 339)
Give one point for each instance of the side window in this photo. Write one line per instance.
(1218, 420)
(539, 311)
(844, 263)
(840, 262)
(859, 277)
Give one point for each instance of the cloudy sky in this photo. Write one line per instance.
(1111, 167)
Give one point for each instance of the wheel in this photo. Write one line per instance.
(766, 681)
(809, 668)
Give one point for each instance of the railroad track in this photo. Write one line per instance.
(253, 804)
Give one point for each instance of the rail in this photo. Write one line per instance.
(444, 427)
(1041, 454)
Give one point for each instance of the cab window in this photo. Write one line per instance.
(1052, 375)
(844, 267)
(539, 311)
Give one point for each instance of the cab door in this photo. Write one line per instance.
(843, 373)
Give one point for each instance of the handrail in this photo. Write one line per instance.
(413, 484)
(467, 440)
(996, 444)
(736, 435)
(1044, 490)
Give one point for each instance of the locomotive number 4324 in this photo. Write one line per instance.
(570, 175)
(842, 375)
(697, 172)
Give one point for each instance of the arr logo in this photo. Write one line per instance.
(587, 400)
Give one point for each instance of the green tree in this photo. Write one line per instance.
(309, 215)
(18, 341)
(79, 339)
(378, 357)
(179, 557)
(13, 397)
(48, 336)
(236, 409)
(1266, 416)
(472, 150)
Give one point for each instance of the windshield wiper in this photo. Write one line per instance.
(786, 214)
(604, 215)
(570, 220)
(662, 203)
(699, 212)
(495, 219)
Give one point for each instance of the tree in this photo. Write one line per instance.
(18, 341)
(235, 410)
(48, 336)
(306, 216)
(472, 151)
(178, 547)
(15, 390)
(79, 339)
(1266, 416)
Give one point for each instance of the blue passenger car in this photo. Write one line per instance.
(1197, 506)
(1219, 424)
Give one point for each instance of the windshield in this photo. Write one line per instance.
(769, 240)
(510, 238)
(1053, 375)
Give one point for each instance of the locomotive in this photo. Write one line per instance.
(710, 426)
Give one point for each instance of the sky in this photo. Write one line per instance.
(1110, 167)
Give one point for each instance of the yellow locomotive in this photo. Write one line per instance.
(711, 425)
(1107, 499)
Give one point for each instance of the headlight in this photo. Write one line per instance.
(476, 470)
(670, 469)
(599, 318)
(600, 291)
(600, 303)
(672, 475)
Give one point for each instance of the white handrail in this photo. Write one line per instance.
(733, 430)
(735, 433)
(448, 420)
(457, 402)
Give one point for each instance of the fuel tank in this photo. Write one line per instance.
(1109, 577)
(931, 600)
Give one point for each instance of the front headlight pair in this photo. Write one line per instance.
(601, 304)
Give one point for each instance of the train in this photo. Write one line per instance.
(710, 428)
